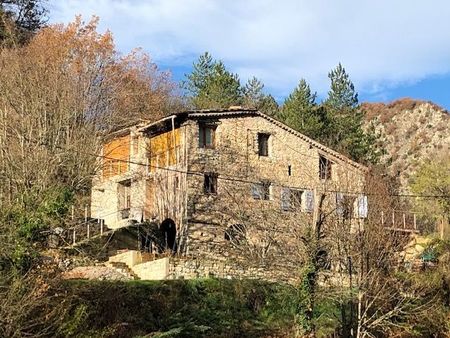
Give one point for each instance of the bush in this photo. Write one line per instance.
(183, 308)
(24, 224)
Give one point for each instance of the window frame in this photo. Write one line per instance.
(264, 152)
(292, 199)
(210, 183)
(297, 199)
(325, 168)
(202, 128)
(264, 191)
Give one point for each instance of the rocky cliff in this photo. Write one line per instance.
(412, 132)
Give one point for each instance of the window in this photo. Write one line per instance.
(206, 136)
(210, 183)
(324, 168)
(263, 144)
(291, 199)
(344, 206)
(124, 188)
(261, 191)
(296, 199)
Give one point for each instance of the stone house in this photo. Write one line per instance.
(206, 175)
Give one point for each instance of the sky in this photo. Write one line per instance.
(390, 48)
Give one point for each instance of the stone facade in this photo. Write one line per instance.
(235, 182)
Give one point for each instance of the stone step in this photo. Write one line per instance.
(124, 269)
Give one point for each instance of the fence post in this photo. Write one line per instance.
(382, 218)
(415, 222)
(86, 219)
(404, 221)
(101, 227)
(73, 212)
(74, 236)
(393, 219)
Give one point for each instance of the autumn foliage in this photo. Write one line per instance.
(65, 88)
(61, 94)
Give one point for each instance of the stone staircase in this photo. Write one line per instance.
(139, 265)
(124, 269)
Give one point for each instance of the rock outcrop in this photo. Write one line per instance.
(412, 132)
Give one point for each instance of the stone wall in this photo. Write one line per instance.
(149, 268)
(153, 270)
(191, 268)
(129, 257)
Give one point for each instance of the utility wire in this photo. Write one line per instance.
(240, 179)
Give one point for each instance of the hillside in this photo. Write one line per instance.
(413, 132)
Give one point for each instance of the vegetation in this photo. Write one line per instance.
(211, 85)
(336, 122)
(301, 112)
(433, 179)
(20, 19)
(345, 120)
(211, 308)
(62, 92)
(200, 308)
(254, 97)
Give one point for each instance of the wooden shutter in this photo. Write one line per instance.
(286, 199)
(339, 204)
(363, 206)
(309, 201)
(257, 191)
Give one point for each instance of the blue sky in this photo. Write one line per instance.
(390, 48)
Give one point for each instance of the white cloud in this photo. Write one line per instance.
(381, 43)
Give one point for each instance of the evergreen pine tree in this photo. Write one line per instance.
(202, 70)
(342, 96)
(210, 85)
(300, 111)
(269, 106)
(344, 130)
(254, 97)
(253, 93)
